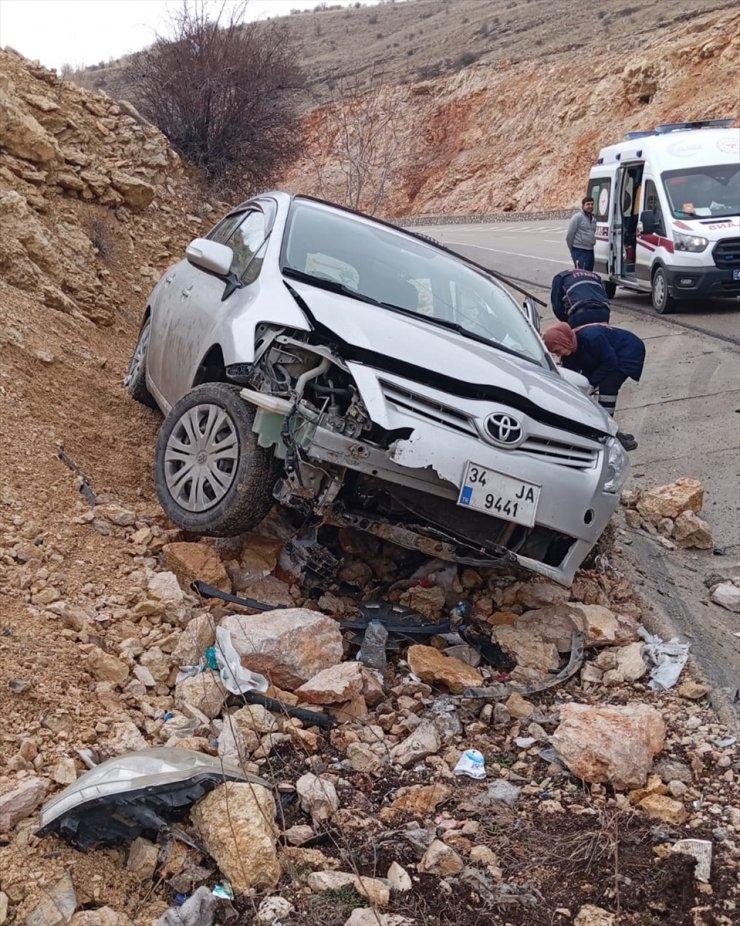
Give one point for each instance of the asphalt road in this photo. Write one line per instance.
(685, 414)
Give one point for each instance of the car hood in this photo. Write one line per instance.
(711, 228)
(445, 353)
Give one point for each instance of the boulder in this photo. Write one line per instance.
(622, 664)
(422, 742)
(289, 646)
(57, 906)
(204, 691)
(106, 667)
(420, 800)
(608, 744)
(434, 667)
(23, 136)
(194, 640)
(20, 801)
(236, 824)
(318, 797)
(137, 193)
(689, 530)
(333, 685)
(669, 501)
(441, 859)
(535, 656)
(193, 562)
(727, 595)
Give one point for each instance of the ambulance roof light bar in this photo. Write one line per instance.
(683, 126)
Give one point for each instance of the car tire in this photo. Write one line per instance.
(208, 435)
(663, 302)
(135, 377)
(611, 288)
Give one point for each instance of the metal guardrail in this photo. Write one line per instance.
(486, 217)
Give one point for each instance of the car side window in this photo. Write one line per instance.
(225, 227)
(246, 242)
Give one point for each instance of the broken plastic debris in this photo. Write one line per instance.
(372, 649)
(471, 763)
(223, 890)
(138, 794)
(668, 659)
(235, 677)
(701, 849)
(198, 910)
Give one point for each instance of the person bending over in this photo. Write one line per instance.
(606, 356)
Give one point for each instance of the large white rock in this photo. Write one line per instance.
(236, 822)
(727, 595)
(288, 645)
(318, 797)
(609, 744)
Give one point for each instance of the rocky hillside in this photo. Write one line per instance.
(521, 132)
(481, 106)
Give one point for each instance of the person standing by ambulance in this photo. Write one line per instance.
(581, 235)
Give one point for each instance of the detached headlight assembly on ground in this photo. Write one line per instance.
(136, 794)
(689, 242)
(617, 466)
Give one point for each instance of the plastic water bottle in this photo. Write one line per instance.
(372, 651)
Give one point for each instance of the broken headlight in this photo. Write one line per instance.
(138, 793)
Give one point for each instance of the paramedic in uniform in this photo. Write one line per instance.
(578, 297)
(581, 235)
(605, 356)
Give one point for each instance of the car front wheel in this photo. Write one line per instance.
(211, 475)
(135, 377)
(663, 302)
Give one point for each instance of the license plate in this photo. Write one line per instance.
(499, 495)
(736, 274)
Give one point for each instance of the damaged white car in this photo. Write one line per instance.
(371, 378)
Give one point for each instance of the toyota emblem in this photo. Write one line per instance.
(504, 429)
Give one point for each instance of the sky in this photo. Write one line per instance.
(84, 32)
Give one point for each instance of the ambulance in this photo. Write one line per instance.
(667, 209)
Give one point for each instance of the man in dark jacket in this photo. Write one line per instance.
(605, 356)
(578, 297)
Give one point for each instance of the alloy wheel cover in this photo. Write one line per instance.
(201, 457)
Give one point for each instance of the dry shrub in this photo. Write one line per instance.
(223, 92)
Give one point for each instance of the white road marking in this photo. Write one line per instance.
(480, 247)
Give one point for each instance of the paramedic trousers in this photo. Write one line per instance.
(609, 389)
(582, 259)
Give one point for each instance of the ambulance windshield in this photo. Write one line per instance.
(704, 192)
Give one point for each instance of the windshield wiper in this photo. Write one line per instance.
(333, 286)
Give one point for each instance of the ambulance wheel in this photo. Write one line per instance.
(611, 288)
(663, 302)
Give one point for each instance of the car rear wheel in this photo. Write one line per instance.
(663, 302)
(211, 475)
(135, 377)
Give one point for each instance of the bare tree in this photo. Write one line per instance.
(223, 91)
(374, 143)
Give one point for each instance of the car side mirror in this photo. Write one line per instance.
(210, 255)
(530, 310)
(649, 221)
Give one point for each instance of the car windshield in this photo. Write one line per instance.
(704, 192)
(374, 263)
